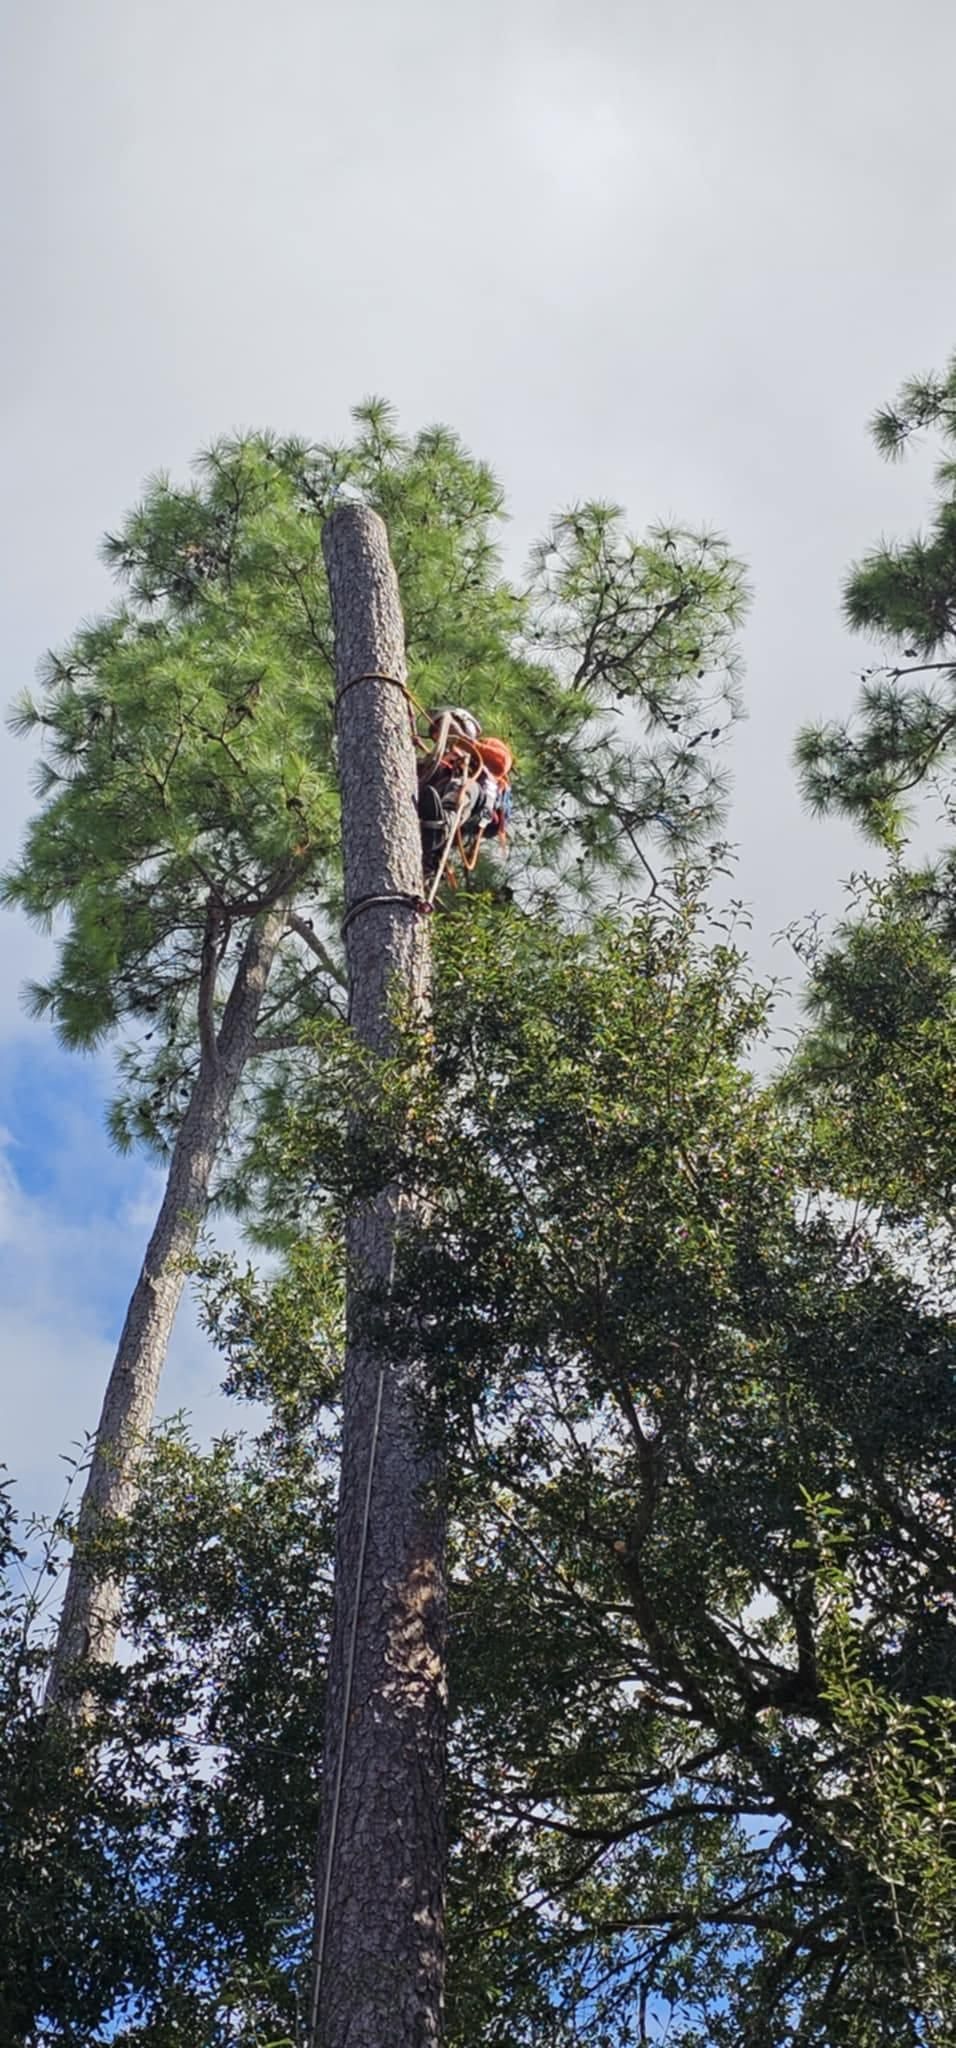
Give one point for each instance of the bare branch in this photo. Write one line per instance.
(276, 1041)
(209, 962)
(305, 931)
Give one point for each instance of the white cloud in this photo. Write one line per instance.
(64, 1279)
(670, 255)
(580, 140)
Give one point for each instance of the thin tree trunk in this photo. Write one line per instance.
(91, 1613)
(379, 1930)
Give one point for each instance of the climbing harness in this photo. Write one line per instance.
(464, 795)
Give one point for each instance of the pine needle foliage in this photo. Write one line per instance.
(875, 1073)
(187, 779)
(903, 735)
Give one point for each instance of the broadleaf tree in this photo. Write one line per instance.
(875, 1072)
(700, 1436)
(671, 1370)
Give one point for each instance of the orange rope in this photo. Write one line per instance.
(460, 848)
(446, 748)
(454, 833)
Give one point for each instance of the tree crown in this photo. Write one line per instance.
(903, 735)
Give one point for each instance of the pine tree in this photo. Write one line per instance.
(188, 829)
(904, 735)
(379, 1965)
(187, 805)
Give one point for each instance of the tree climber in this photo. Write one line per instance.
(464, 795)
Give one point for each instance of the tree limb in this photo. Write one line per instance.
(209, 961)
(304, 930)
(276, 1041)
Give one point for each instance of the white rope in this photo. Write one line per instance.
(346, 1708)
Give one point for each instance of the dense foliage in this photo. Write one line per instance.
(671, 1368)
(903, 593)
(694, 1333)
(876, 1073)
(702, 1437)
(155, 1868)
(187, 777)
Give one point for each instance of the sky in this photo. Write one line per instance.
(669, 255)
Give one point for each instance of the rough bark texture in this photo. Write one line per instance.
(91, 1614)
(381, 1856)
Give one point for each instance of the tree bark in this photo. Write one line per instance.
(91, 1613)
(379, 1930)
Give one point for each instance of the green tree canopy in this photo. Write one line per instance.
(701, 1437)
(903, 593)
(187, 778)
(876, 1071)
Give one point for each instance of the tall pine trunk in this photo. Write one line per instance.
(91, 1614)
(379, 1938)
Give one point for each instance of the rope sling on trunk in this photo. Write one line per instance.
(449, 745)
(406, 896)
(374, 675)
(453, 839)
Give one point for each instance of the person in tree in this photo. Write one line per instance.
(464, 790)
